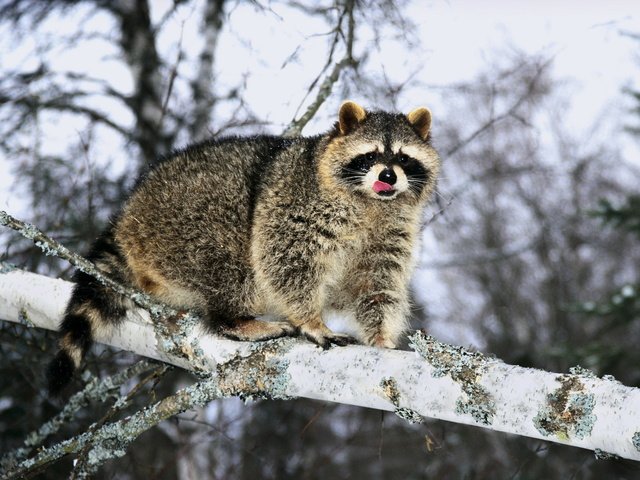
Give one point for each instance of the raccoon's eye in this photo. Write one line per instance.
(403, 159)
(361, 163)
(371, 156)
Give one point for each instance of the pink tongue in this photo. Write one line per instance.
(379, 186)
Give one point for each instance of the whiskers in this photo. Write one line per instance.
(416, 183)
(351, 176)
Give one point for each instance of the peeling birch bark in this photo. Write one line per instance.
(436, 380)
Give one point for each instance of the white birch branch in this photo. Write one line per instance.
(436, 381)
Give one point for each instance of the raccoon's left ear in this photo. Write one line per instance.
(420, 119)
(350, 116)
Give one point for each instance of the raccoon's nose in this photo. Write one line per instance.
(388, 176)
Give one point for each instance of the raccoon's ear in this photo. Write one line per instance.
(420, 119)
(350, 116)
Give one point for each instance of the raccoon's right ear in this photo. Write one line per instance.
(420, 119)
(350, 116)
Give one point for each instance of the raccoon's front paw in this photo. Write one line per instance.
(325, 338)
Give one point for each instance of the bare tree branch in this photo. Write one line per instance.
(51, 247)
(202, 85)
(95, 390)
(296, 126)
(86, 465)
(509, 112)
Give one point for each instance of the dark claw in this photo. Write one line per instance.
(326, 342)
(343, 340)
(322, 343)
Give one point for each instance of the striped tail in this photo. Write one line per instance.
(92, 307)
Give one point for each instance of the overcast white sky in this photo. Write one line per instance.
(583, 36)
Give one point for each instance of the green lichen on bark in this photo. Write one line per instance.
(568, 412)
(464, 368)
(636, 440)
(391, 391)
(478, 404)
(174, 336)
(261, 374)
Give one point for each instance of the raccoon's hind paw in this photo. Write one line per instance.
(253, 330)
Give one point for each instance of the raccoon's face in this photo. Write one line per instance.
(385, 174)
(381, 155)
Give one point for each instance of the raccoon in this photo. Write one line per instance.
(239, 228)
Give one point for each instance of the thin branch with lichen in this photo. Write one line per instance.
(174, 335)
(113, 439)
(256, 375)
(51, 247)
(175, 339)
(82, 468)
(94, 390)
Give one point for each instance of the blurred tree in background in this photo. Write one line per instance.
(521, 263)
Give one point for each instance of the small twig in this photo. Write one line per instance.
(381, 443)
(312, 420)
(172, 77)
(442, 207)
